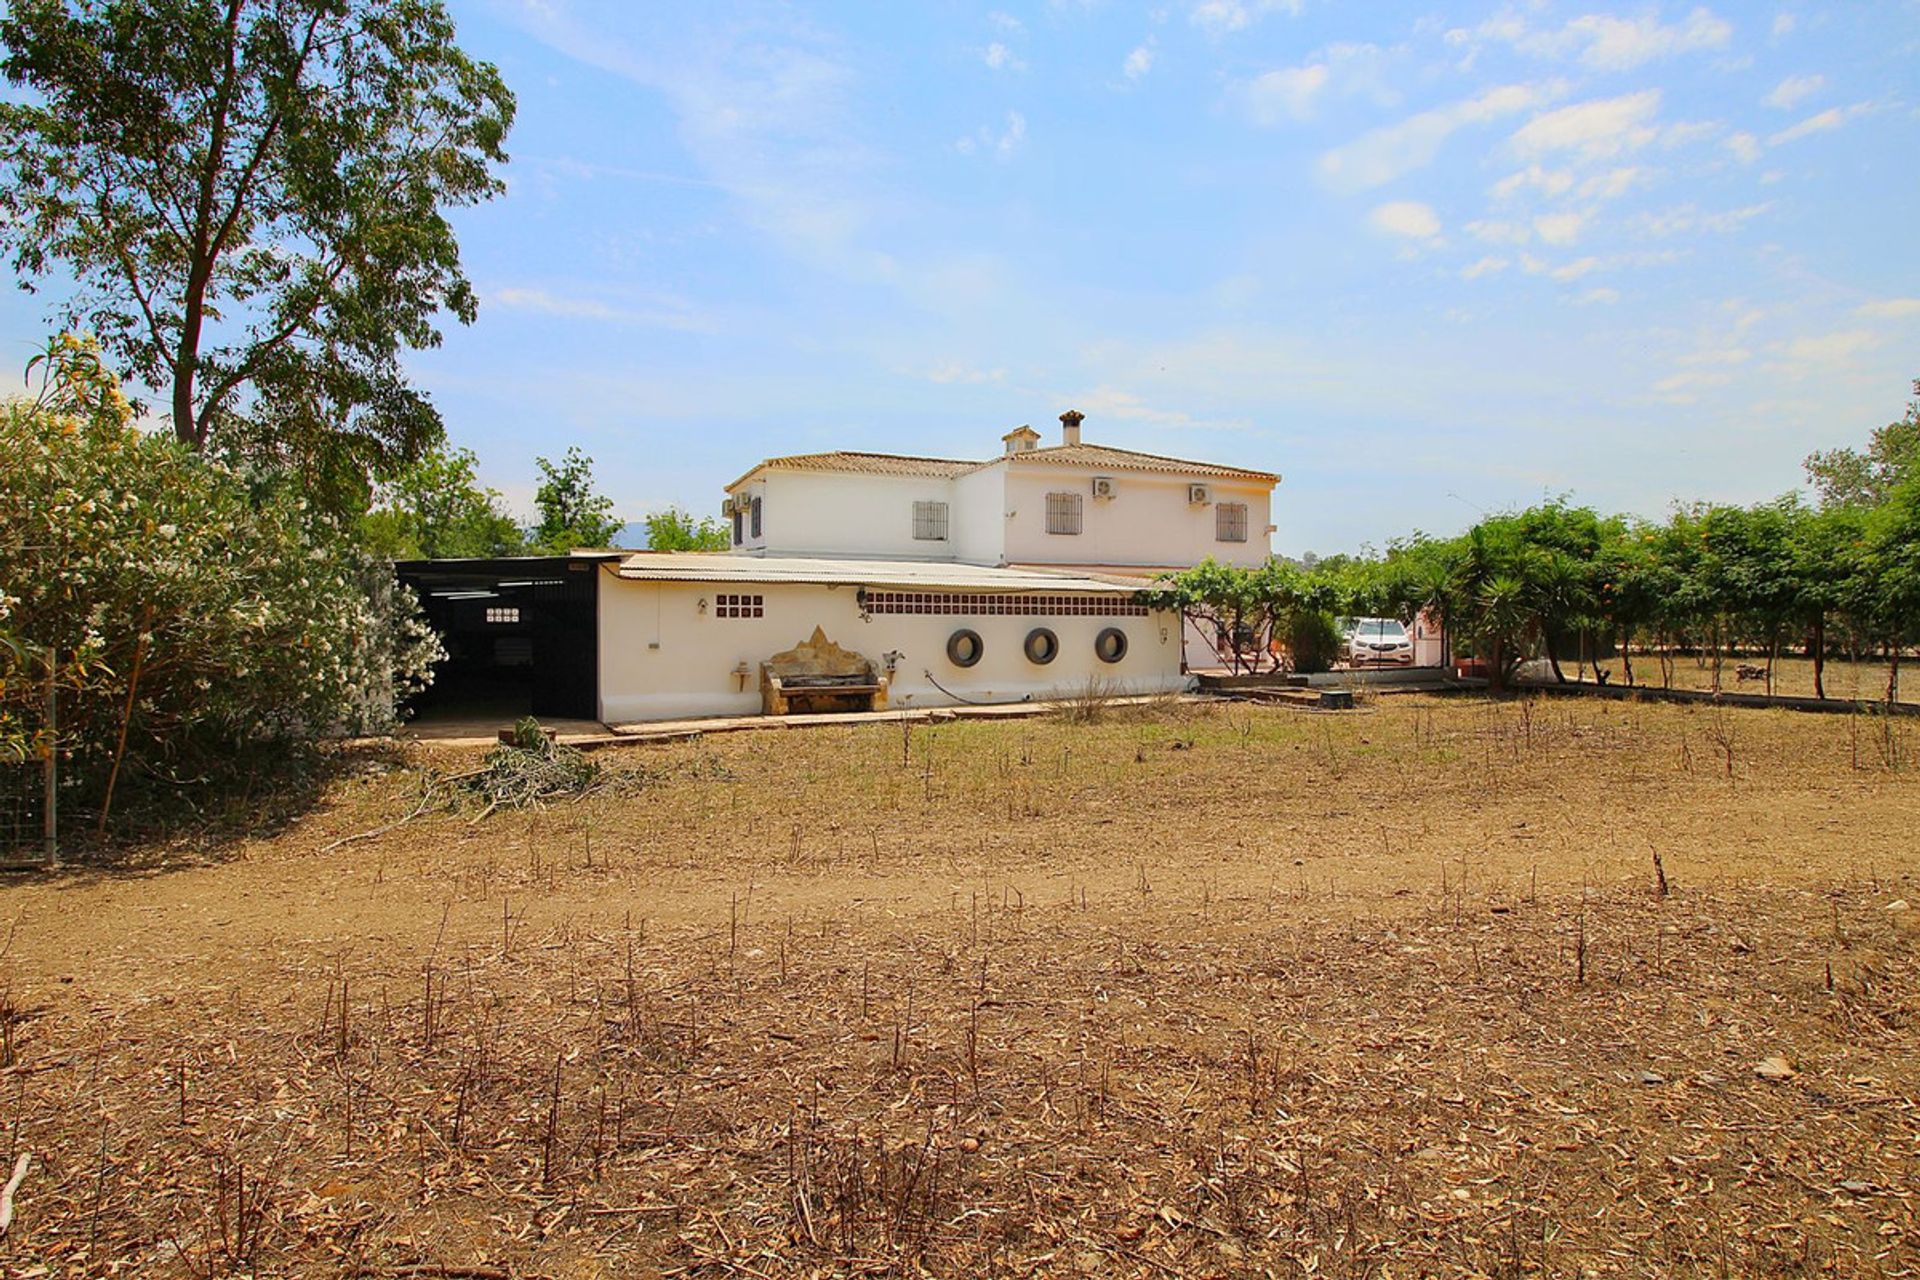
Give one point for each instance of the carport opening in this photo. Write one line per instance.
(521, 635)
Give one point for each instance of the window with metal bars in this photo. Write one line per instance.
(930, 521)
(1063, 513)
(1230, 522)
(756, 517)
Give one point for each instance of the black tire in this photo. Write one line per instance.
(1042, 646)
(1110, 645)
(965, 647)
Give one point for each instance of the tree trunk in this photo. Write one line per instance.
(1893, 674)
(1553, 660)
(1626, 655)
(1773, 656)
(1819, 656)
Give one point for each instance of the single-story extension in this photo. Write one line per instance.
(635, 636)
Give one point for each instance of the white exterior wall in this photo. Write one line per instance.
(980, 516)
(821, 513)
(1148, 522)
(662, 658)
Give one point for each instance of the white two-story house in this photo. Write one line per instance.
(925, 581)
(1090, 507)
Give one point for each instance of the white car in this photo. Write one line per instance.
(1379, 642)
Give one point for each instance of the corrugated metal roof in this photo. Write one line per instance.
(717, 566)
(851, 461)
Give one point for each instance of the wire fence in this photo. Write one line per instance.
(30, 787)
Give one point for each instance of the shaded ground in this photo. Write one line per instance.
(1220, 991)
(1792, 677)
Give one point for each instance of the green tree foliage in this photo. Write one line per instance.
(188, 618)
(252, 195)
(1855, 477)
(436, 508)
(572, 514)
(677, 530)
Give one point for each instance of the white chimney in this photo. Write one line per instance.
(1070, 426)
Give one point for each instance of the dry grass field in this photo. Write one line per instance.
(1193, 991)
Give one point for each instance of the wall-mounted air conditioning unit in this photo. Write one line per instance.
(1198, 495)
(1103, 487)
(728, 507)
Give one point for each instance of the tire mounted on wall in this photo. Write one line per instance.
(1110, 645)
(1042, 646)
(964, 647)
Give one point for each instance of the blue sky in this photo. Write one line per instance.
(1418, 259)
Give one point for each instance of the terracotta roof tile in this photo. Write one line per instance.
(848, 461)
(1100, 455)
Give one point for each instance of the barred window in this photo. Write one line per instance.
(503, 613)
(1063, 513)
(756, 517)
(930, 521)
(730, 605)
(739, 522)
(1230, 522)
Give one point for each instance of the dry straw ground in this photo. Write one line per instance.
(1200, 991)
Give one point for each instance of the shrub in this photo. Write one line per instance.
(186, 611)
(1313, 640)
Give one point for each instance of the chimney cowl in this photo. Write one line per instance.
(1070, 426)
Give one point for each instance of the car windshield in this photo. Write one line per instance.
(1380, 629)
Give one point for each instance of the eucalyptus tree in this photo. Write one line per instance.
(251, 197)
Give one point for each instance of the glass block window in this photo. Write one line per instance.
(980, 604)
(930, 521)
(1230, 522)
(503, 613)
(731, 605)
(1063, 513)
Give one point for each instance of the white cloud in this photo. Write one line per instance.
(1684, 387)
(1484, 267)
(1002, 144)
(1496, 232)
(1688, 218)
(1001, 58)
(1890, 309)
(1745, 147)
(1559, 228)
(1831, 118)
(666, 314)
(1782, 25)
(1593, 130)
(1384, 154)
(953, 372)
(1288, 93)
(1295, 93)
(1715, 355)
(1006, 22)
(1830, 348)
(1604, 42)
(1407, 218)
(1600, 295)
(1612, 184)
(1139, 62)
(1790, 92)
(1217, 17)
(1550, 182)
(1621, 44)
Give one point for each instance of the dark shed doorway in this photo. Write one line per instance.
(522, 635)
